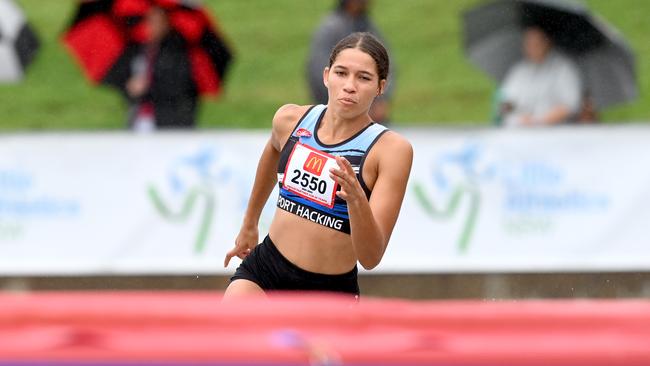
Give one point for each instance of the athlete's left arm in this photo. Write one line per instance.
(372, 222)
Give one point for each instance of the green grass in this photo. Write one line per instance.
(435, 82)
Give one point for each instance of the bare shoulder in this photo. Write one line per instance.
(391, 158)
(288, 115)
(394, 146)
(284, 120)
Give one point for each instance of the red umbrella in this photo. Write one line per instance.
(105, 35)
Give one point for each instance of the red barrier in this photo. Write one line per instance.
(120, 328)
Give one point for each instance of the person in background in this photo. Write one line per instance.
(349, 16)
(160, 89)
(542, 89)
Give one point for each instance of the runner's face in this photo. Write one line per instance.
(352, 82)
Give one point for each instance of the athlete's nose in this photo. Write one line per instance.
(349, 86)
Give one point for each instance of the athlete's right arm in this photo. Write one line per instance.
(284, 121)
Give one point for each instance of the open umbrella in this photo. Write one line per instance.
(493, 38)
(105, 35)
(18, 42)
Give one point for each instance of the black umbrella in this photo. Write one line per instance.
(493, 38)
(18, 42)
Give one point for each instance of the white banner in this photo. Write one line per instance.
(479, 200)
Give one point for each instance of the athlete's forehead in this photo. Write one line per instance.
(355, 60)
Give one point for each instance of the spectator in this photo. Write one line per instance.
(161, 89)
(542, 89)
(350, 16)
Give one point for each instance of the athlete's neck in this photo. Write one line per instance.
(334, 128)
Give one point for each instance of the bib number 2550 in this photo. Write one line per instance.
(307, 175)
(307, 180)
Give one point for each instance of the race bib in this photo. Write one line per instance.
(307, 175)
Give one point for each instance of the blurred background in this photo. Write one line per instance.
(436, 83)
(442, 100)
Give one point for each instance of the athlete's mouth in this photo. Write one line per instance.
(348, 101)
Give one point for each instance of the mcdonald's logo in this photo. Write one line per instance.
(314, 163)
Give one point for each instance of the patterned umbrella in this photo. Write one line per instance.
(493, 38)
(18, 42)
(105, 36)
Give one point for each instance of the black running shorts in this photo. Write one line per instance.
(270, 270)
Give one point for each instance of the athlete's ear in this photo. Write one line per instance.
(326, 73)
(382, 87)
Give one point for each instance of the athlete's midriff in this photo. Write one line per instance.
(312, 246)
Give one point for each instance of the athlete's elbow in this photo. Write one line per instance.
(369, 263)
(369, 256)
(369, 266)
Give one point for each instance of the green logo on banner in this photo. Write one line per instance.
(192, 199)
(445, 213)
(191, 179)
(457, 173)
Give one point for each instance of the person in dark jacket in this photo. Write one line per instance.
(161, 89)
